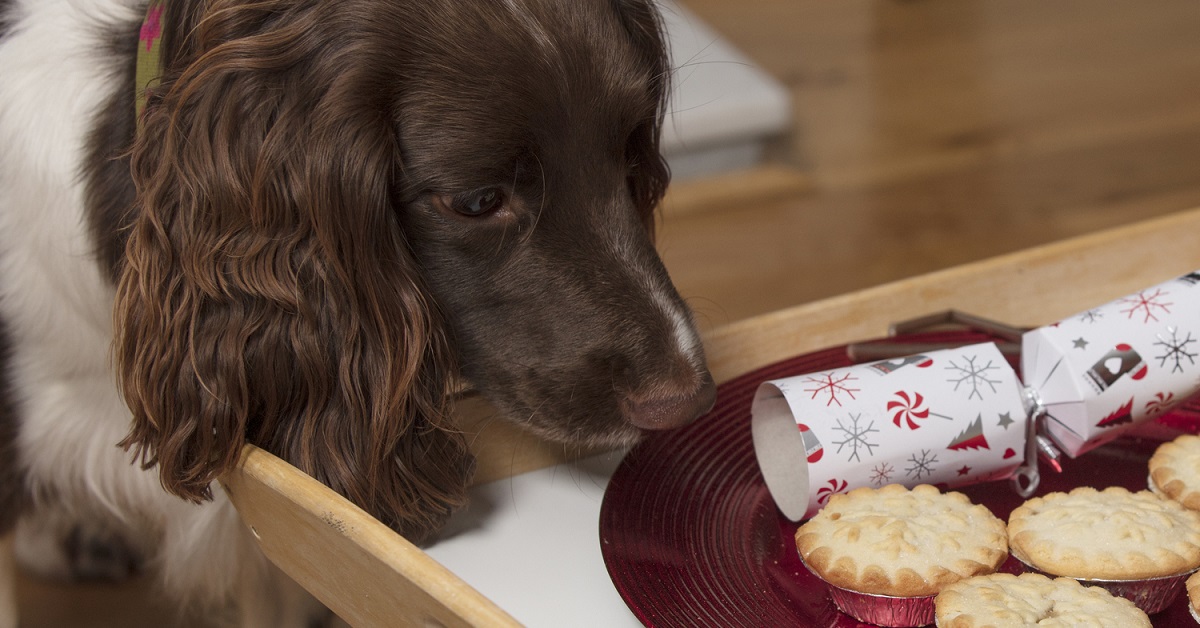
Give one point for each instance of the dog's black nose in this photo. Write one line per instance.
(667, 409)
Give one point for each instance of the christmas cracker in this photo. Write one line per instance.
(962, 416)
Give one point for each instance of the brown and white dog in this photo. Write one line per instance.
(334, 212)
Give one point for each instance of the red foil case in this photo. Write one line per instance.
(882, 610)
(1152, 595)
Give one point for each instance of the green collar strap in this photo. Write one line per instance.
(149, 59)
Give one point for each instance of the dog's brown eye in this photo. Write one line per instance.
(479, 202)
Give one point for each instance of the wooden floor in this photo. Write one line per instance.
(927, 133)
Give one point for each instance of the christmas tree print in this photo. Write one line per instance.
(971, 438)
(1121, 415)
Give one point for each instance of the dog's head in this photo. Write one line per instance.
(344, 205)
(531, 175)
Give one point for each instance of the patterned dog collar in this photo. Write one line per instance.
(149, 59)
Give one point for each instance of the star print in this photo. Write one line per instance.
(1006, 420)
(963, 471)
(1080, 343)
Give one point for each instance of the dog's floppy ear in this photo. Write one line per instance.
(267, 294)
(649, 175)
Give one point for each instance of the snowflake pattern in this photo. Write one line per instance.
(884, 453)
(1147, 304)
(882, 474)
(922, 464)
(856, 437)
(832, 385)
(973, 375)
(1175, 350)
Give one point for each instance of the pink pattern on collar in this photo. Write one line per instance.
(152, 27)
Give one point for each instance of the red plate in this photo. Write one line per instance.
(691, 537)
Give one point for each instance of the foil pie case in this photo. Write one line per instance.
(1152, 595)
(655, 549)
(1087, 380)
(882, 610)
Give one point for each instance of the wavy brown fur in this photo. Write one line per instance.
(284, 307)
(287, 279)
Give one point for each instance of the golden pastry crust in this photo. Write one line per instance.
(1001, 600)
(1193, 591)
(1175, 470)
(1105, 535)
(892, 541)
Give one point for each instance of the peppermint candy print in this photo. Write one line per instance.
(959, 416)
(917, 419)
(907, 409)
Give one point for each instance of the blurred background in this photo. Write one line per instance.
(821, 147)
(927, 133)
